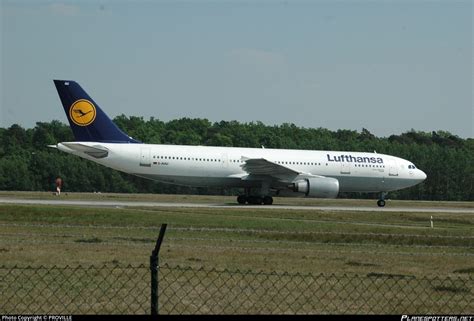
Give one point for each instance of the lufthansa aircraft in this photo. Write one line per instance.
(261, 172)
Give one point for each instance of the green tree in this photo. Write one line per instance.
(26, 163)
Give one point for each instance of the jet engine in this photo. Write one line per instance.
(320, 187)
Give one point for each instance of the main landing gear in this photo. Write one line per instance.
(258, 196)
(381, 201)
(254, 200)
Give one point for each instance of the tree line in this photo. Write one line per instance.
(27, 164)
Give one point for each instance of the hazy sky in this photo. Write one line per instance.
(388, 66)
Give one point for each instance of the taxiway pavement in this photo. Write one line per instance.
(123, 204)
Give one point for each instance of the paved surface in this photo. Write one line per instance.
(107, 203)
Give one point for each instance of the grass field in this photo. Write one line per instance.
(382, 262)
(255, 239)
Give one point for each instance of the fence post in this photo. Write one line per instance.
(154, 265)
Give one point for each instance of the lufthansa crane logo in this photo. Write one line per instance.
(82, 112)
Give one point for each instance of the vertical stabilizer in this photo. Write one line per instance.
(87, 120)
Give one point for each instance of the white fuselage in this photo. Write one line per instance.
(222, 166)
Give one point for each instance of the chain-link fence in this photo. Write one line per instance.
(75, 290)
(126, 290)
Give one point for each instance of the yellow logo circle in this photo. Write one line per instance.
(82, 112)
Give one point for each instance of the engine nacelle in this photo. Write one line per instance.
(320, 187)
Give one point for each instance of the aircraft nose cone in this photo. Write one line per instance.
(422, 176)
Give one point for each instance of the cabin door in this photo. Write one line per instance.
(345, 168)
(392, 168)
(145, 159)
(224, 160)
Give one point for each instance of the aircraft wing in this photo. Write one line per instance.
(258, 167)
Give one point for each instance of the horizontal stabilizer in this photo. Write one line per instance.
(96, 151)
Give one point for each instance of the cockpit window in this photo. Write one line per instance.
(411, 167)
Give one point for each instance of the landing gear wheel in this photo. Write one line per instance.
(268, 200)
(381, 203)
(242, 199)
(255, 200)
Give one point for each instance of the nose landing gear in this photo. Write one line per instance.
(381, 201)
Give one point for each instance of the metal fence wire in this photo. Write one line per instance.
(183, 290)
(75, 290)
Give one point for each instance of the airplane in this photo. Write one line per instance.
(260, 172)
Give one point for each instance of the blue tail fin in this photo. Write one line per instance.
(88, 122)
